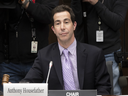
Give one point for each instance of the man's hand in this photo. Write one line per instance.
(93, 2)
(25, 3)
(21, 1)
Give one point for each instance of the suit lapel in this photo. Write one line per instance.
(57, 63)
(81, 62)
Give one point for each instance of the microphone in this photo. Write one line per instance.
(50, 66)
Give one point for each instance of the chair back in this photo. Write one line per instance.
(109, 67)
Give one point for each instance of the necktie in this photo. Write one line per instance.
(67, 72)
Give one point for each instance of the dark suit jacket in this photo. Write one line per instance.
(91, 66)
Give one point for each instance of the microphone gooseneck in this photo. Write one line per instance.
(50, 66)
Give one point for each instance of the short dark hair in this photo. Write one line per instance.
(62, 8)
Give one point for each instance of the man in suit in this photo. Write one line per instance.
(87, 62)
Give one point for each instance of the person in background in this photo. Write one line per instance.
(99, 22)
(1, 44)
(28, 32)
(73, 65)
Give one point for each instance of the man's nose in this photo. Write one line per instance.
(62, 26)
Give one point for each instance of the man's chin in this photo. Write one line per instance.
(64, 40)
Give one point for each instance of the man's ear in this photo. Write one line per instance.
(75, 24)
(52, 29)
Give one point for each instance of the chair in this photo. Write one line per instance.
(109, 67)
(122, 79)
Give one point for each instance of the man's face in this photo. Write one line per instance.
(63, 27)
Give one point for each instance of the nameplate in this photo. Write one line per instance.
(25, 89)
(72, 92)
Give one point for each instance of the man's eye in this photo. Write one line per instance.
(66, 22)
(57, 23)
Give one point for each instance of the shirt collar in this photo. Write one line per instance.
(71, 48)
